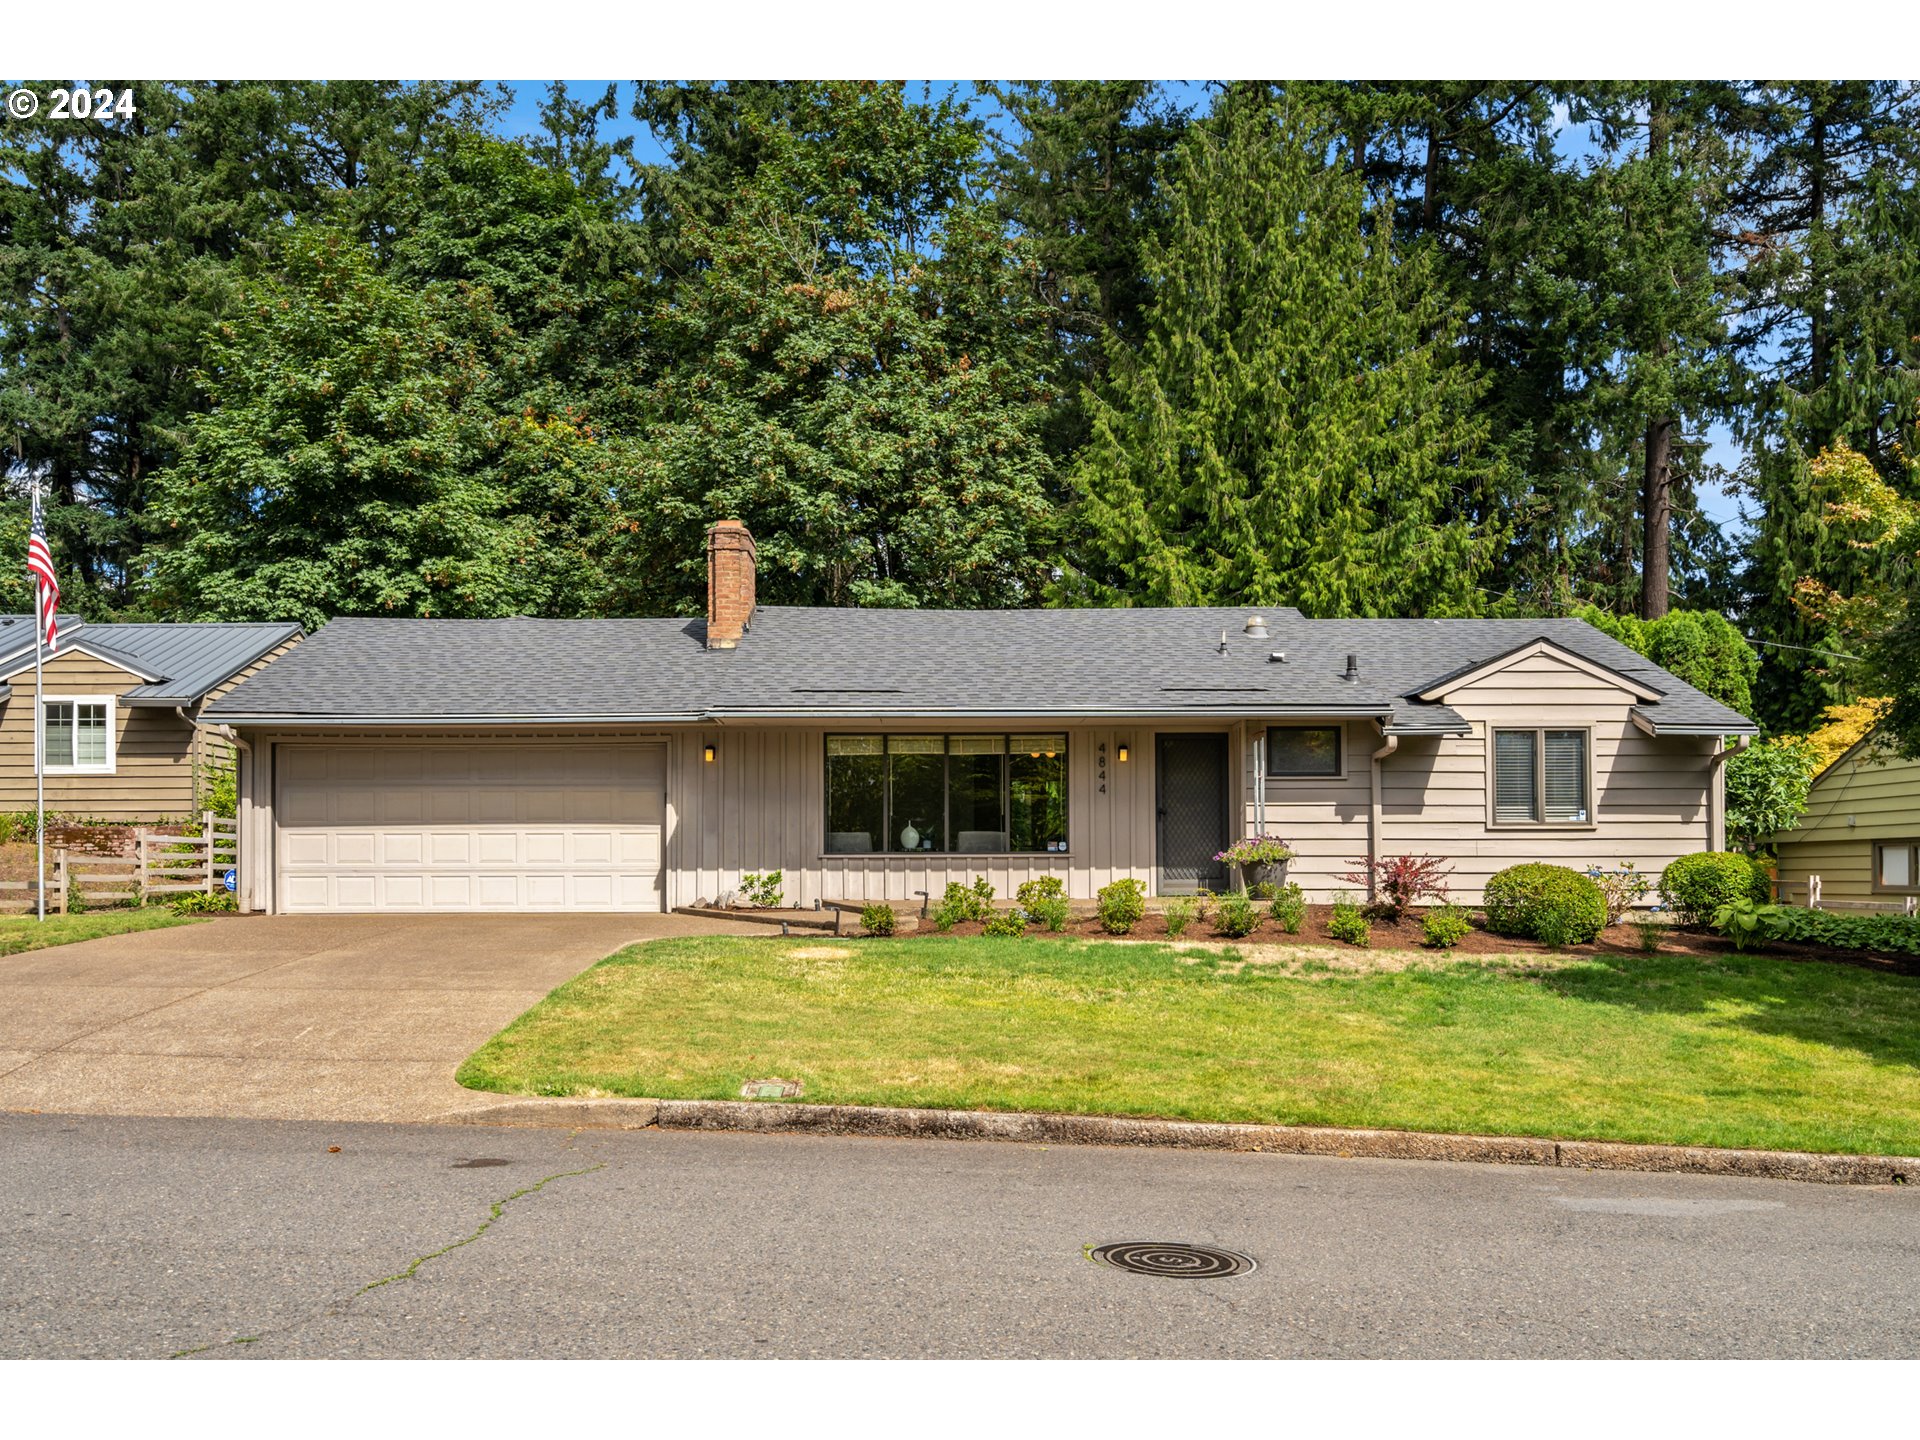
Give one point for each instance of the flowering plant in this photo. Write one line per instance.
(1257, 850)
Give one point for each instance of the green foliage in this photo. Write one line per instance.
(222, 795)
(1445, 926)
(1289, 908)
(1545, 902)
(763, 892)
(1701, 647)
(1236, 916)
(1179, 915)
(1349, 923)
(963, 903)
(877, 918)
(1120, 905)
(1767, 788)
(1006, 922)
(1050, 912)
(1043, 887)
(1695, 886)
(1206, 479)
(1650, 933)
(1796, 925)
(200, 902)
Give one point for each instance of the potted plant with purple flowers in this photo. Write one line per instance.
(1261, 859)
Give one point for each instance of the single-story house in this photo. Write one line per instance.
(1860, 833)
(526, 764)
(119, 712)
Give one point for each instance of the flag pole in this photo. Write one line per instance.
(39, 739)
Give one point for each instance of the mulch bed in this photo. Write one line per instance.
(1622, 939)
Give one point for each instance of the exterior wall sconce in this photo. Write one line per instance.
(1125, 751)
(708, 754)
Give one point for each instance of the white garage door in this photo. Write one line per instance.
(424, 826)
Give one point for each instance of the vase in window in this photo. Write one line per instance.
(909, 838)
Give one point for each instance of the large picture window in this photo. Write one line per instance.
(1300, 750)
(957, 794)
(1540, 777)
(78, 735)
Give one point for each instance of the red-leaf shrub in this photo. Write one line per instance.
(1399, 882)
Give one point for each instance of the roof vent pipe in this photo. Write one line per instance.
(1256, 627)
(1353, 667)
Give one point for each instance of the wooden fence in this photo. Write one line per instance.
(160, 865)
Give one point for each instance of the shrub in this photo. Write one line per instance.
(223, 792)
(763, 892)
(1050, 911)
(1767, 788)
(1007, 922)
(1793, 924)
(1349, 923)
(1179, 915)
(1262, 890)
(963, 902)
(1289, 908)
(1236, 916)
(1445, 926)
(1399, 882)
(198, 902)
(1045, 887)
(1621, 889)
(1697, 885)
(1545, 902)
(877, 918)
(1121, 905)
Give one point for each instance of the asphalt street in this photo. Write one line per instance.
(233, 1239)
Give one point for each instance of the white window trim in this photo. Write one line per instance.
(113, 726)
(1592, 822)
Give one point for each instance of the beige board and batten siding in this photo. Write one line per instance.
(153, 770)
(1867, 795)
(760, 805)
(1648, 795)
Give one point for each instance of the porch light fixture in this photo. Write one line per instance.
(1125, 751)
(709, 753)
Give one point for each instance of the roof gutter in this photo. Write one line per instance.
(1745, 728)
(813, 712)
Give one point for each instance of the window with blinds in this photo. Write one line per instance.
(1540, 777)
(1515, 795)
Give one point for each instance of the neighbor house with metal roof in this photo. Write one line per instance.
(522, 764)
(120, 713)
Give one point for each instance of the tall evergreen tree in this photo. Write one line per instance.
(1826, 270)
(1295, 428)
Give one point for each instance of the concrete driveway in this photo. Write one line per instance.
(338, 1017)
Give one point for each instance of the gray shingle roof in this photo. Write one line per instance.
(189, 658)
(903, 662)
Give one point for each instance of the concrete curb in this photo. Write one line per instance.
(870, 1120)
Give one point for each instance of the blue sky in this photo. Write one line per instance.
(1574, 142)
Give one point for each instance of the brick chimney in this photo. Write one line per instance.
(729, 583)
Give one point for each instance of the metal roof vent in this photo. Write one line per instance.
(1256, 627)
(1353, 667)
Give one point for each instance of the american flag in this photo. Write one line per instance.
(40, 566)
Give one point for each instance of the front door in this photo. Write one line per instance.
(1192, 794)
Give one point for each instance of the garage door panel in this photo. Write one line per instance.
(470, 827)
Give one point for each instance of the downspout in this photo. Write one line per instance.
(1373, 815)
(247, 858)
(1717, 791)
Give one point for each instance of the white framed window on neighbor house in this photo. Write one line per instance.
(1896, 866)
(76, 734)
(1541, 777)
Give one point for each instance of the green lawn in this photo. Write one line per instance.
(19, 932)
(1740, 1051)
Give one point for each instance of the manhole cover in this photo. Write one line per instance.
(484, 1162)
(770, 1089)
(1173, 1259)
